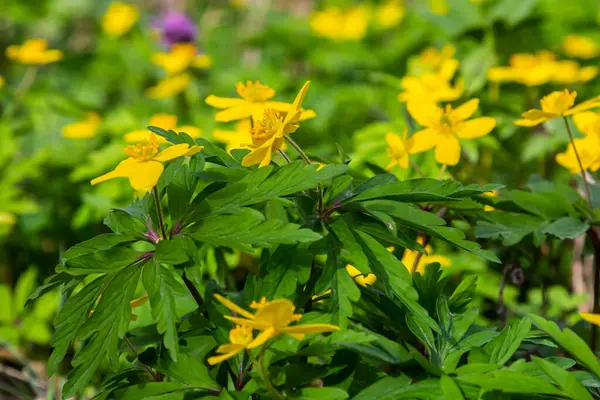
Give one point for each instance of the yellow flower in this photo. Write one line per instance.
(169, 87)
(238, 138)
(556, 104)
(7, 218)
(588, 122)
(272, 319)
(591, 318)
(166, 122)
(398, 149)
(119, 19)
(390, 14)
(82, 129)
(409, 257)
(144, 166)
(363, 280)
(254, 99)
(433, 58)
(492, 193)
(433, 86)
(588, 149)
(528, 69)
(202, 61)
(341, 25)
(565, 72)
(33, 52)
(443, 127)
(580, 47)
(439, 7)
(239, 338)
(177, 59)
(269, 134)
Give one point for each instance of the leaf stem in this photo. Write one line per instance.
(442, 171)
(24, 85)
(416, 167)
(193, 290)
(307, 160)
(265, 375)
(159, 211)
(285, 157)
(146, 367)
(582, 170)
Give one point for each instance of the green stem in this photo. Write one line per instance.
(307, 160)
(24, 85)
(159, 211)
(265, 375)
(285, 157)
(582, 170)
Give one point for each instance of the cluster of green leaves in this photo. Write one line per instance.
(401, 337)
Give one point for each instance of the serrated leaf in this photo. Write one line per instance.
(176, 250)
(508, 342)
(102, 261)
(450, 388)
(99, 243)
(351, 251)
(511, 382)
(391, 388)
(564, 380)
(566, 228)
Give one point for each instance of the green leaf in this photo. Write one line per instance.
(450, 388)
(547, 205)
(71, 317)
(566, 228)
(188, 369)
(162, 286)
(351, 251)
(344, 292)
(177, 250)
(179, 193)
(25, 286)
(570, 341)
(248, 228)
(102, 261)
(155, 391)
(51, 283)
(422, 332)
(564, 380)
(512, 12)
(339, 185)
(104, 328)
(121, 222)
(503, 346)
(510, 227)
(99, 243)
(391, 388)
(511, 382)
(329, 393)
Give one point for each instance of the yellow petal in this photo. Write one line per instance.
(233, 307)
(583, 121)
(591, 318)
(475, 128)
(165, 121)
(307, 114)
(218, 359)
(223, 102)
(146, 175)
(137, 136)
(538, 114)
(426, 113)
(192, 131)
(262, 338)
(444, 261)
(586, 105)
(465, 111)
(123, 169)
(447, 150)
(530, 122)
(395, 142)
(423, 140)
(310, 328)
(172, 152)
(234, 113)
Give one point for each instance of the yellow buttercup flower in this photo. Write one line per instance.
(166, 122)
(7, 218)
(444, 126)
(434, 59)
(239, 338)
(588, 122)
(363, 280)
(390, 14)
(269, 134)
(254, 99)
(272, 319)
(33, 52)
(591, 317)
(588, 149)
(409, 257)
(556, 104)
(439, 7)
(398, 149)
(202, 61)
(341, 25)
(433, 86)
(83, 129)
(177, 60)
(580, 47)
(169, 87)
(566, 72)
(119, 19)
(144, 166)
(238, 138)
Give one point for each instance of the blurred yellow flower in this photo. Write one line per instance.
(591, 318)
(341, 25)
(269, 134)
(409, 257)
(439, 7)
(254, 99)
(432, 86)
(588, 149)
(180, 57)
(239, 3)
(83, 129)
(389, 14)
(363, 280)
(434, 59)
(33, 52)
(1, 81)
(238, 138)
(202, 61)
(7, 218)
(566, 72)
(272, 319)
(493, 193)
(398, 149)
(556, 104)
(588, 122)
(144, 166)
(580, 47)
(169, 87)
(444, 126)
(166, 122)
(239, 338)
(119, 18)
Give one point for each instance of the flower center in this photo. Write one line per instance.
(254, 92)
(271, 123)
(446, 121)
(144, 150)
(558, 102)
(240, 335)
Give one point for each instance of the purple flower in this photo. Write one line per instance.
(175, 28)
